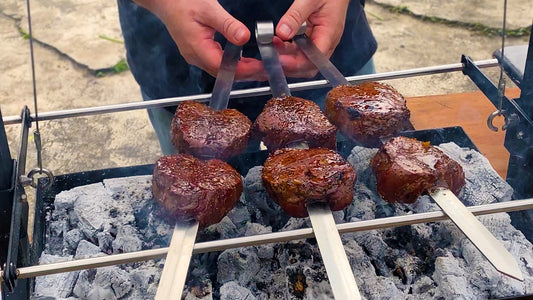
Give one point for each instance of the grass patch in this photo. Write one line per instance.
(111, 39)
(25, 35)
(119, 67)
(476, 27)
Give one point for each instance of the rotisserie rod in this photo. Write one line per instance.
(338, 268)
(181, 245)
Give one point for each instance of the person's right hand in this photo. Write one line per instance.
(192, 25)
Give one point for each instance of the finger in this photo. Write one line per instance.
(325, 38)
(293, 19)
(297, 66)
(220, 20)
(207, 56)
(250, 69)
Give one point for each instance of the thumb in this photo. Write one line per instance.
(293, 19)
(232, 29)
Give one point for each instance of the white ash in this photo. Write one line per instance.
(420, 261)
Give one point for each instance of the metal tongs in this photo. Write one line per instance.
(182, 243)
(474, 230)
(338, 268)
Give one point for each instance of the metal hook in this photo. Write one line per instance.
(47, 172)
(491, 117)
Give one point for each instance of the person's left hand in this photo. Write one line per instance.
(325, 25)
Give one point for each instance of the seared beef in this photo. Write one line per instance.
(189, 188)
(287, 120)
(405, 168)
(206, 133)
(368, 111)
(295, 177)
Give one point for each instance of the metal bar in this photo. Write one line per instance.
(177, 261)
(323, 64)
(526, 96)
(264, 33)
(338, 267)
(245, 93)
(18, 239)
(276, 237)
(225, 76)
(489, 88)
(477, 233)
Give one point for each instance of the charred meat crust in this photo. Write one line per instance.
(367, 112)
(286, 120)
(188, 188)
(295, 177)
(406, 168)
(198, 130)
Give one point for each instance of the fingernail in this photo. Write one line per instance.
(239, 35)
(285, 30)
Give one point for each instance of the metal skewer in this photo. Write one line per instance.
(487, 244)
(478, 234)
(184, 235)
(338, 268)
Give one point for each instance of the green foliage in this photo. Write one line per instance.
(476, 27)
(110, 39)
(119, 67)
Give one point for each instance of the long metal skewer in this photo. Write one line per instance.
(245, 93)
(338, 268)
(478, 234)
(261, 239)
(184, 235)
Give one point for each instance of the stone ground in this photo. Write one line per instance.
(77, 39)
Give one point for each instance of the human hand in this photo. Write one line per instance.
(192, 25)
(325, 25)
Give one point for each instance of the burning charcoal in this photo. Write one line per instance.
(359, 158)
(72, 239)
(66, 199)
(233, 291)
(449, 272)
(83, 285)
(105, 242)
(380, 287)
(263, 251)
(143, 276)
(92, 213)
(127, 240)
(240, 265)
(225, 228)
(240, 215)
(87, 249)
(488, 187)
(57, 285)
(199, 290)
(115, 278)
(422, 285)
(261, 208)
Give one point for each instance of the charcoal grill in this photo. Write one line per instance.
(19, 256)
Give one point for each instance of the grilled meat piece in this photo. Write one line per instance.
(189, 188)
(295, 177)
(206, 133)
(406, 168)
(368, 111)
(289, 120)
